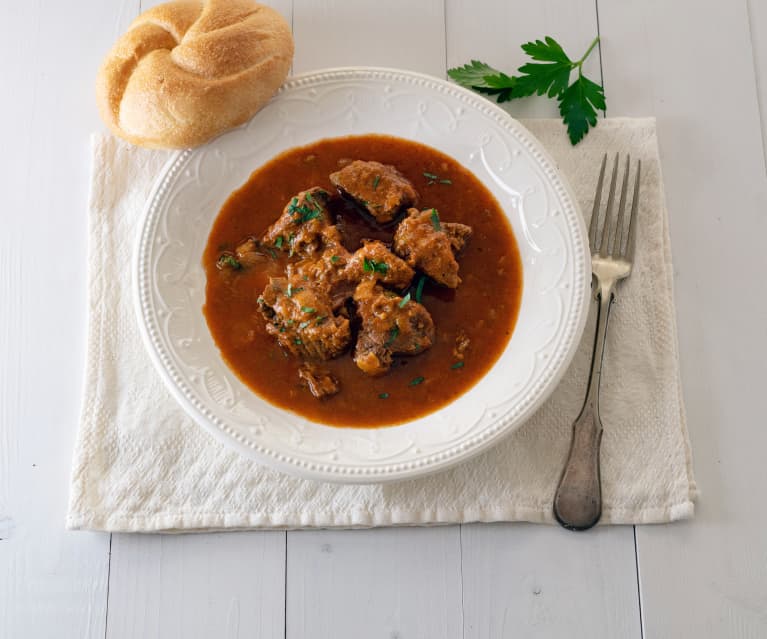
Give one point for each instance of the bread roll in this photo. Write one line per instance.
(186, 71)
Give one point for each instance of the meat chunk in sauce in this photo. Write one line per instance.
(373, 260)
(425, 243)
(302, 319)
(304, 228)
(318, 380)
(389, 326)
(326, 274)
(379, 188)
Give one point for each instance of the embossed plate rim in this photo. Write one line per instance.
(372, 472)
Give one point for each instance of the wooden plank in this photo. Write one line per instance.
(757, 13)
(52, 583)
(396, 582)
(525, 580)
(197, 586)
(706, 577)
(400, 582)
(397, 33)
(203, 585)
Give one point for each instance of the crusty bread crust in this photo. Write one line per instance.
(185, 72)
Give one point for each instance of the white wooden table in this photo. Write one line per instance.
(699, 66)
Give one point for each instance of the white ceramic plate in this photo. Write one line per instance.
(170, 281)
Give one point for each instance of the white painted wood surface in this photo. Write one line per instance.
(707, 577)
(700, 67)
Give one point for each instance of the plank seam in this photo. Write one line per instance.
(759, 105)
(639, 586)
(599, 50)
(109, 578)
(460, 559)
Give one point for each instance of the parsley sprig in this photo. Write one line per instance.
(549, 75)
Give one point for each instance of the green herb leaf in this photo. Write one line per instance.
(445, 181)
(416, 380)
(228, 260)
(457, 365)
(321, 320)
(297, 340)
(430, 176)
(289, 292)
(578, 106)
(419, 289)
(549, 75)
(272, 253)
(334, 259)
(308, 309)
(371, 266)
(435, 220)
(376, 180)
(404, 301)
(383, 396)
(278, 242)
(393, 333)
(303, 325)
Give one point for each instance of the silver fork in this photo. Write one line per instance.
(578, 500)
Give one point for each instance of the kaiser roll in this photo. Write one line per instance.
(187, 71)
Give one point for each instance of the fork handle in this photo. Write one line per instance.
(578, 500)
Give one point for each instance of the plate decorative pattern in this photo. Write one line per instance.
(169, 281)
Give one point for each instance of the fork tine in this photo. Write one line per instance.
(631, 243)
(617, 243)
(609, 209)
(595, 211)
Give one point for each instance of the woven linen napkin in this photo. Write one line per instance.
(140, 464)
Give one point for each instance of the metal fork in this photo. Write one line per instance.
(578, 500)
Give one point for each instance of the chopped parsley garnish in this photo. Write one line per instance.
(416, 380)
(260, 301)
(383, 396)
(371, 266)
(393, 333)
(227, 259)
(334, 259)
(376, 180)
(272, 253)
(303, 213)
(321, 320)
(457, 365)
(303, 325)
(293, 289)
(435, 220)
(419, 289)
(298, 340)
(308, 309)
(434, 179)
(404, 301)
(278, 242)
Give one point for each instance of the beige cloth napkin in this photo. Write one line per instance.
(141, 464)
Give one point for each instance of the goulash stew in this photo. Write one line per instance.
(361, 281)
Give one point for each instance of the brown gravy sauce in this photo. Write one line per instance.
(484, 306)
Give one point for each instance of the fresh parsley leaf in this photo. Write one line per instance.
(308, 310)
(334, 258)
(278, 242)
(383, 396)
(549, 75)
(393, 333)
(303, 325)
(376, 180)
(483, 78)
(419, 289)
(578, 106)
(457, 365)
(228, 260)
(371, 266)
(404, 301)
(435, 220)
(416, 380)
